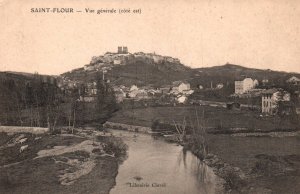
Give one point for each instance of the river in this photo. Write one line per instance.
(155, 166)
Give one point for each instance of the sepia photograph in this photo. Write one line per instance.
(149, 97)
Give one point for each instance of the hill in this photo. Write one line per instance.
(138, 68)
(228, 73)
(144, 69)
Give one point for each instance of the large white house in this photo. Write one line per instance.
(180, 87)
(243, 86)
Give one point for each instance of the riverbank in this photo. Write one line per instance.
(214, 119)
(155, 166)
(63, 163)
(253, 154)
(255, 164)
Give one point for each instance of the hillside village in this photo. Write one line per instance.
(168, 83)
(267, 97)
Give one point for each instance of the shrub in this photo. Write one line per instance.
(233, 181)
(114, 145)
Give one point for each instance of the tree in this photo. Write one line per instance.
(74, 95)
(106, 100)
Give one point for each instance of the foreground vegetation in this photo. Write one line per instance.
(261, 164)
(37, 101)
(61, 163)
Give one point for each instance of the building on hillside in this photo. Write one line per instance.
(87, 98)
(265, 82)
(133, 87)
(271, 98)
(71, 85)
(108, 58)
(120, 95)
(117, 62)
(137, 93)
(165, 89)
(142, 94)
(219, 86)
(294, 81)
(181, 99)
(256, 83)
(125, 50)
(96, 59)
(171, 59)
(180, 87)
(89, 67)
(200, 87)
(122, 50)
(134, 90)
(243, 86)
(157, 58)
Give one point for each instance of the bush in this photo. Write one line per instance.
(233, 181)
(114, 145)
(198, 145)
(158, 126)
(269, 165)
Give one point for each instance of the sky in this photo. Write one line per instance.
(201, 33)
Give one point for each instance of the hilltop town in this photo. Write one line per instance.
(266, 94)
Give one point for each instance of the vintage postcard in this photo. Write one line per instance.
(149, 97)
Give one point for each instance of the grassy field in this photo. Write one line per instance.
(75, 167)
(210, 117)
(269, 163)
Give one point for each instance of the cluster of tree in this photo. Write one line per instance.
(106, 100)
(40, 103)
(32, 102)
(11, 97)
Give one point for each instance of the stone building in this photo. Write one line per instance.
(244, 86)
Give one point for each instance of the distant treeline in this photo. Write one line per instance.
(39, 102)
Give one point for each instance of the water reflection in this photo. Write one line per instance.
(151, 161)
(208, 180)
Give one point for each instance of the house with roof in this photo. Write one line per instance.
(244, 85)
(271, 98)
(265, 82)
(120, 95)
(256, 83)
(91, 89)
(137, 93)
(293, 81)
(219, 86)
(157, 58)
(180, 87)
(181, 99)
(165, 89)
